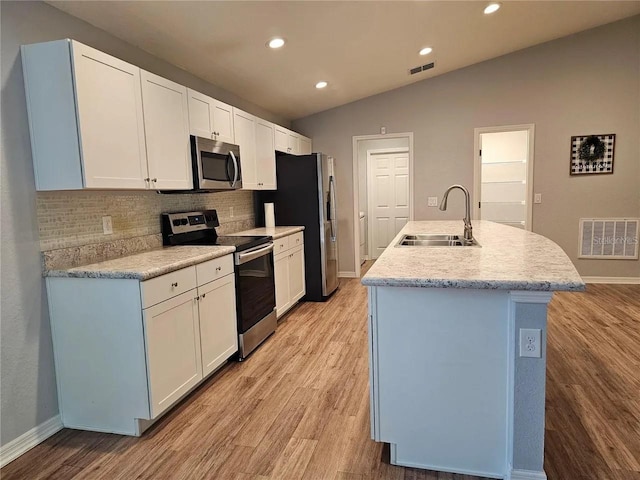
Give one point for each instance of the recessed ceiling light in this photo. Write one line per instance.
(276, 42)
(492, 7)
(426, 51)
(321, 84)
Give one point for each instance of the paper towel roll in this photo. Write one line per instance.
(269, 217)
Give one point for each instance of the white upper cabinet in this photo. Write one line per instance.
(245, 127)
(304, 145)
(289, 141)
(166, 122)
(210, 118)
(257, 153)
(87, 120)
(265, 155)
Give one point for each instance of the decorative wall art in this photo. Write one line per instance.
(592, 154)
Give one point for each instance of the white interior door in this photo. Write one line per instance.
(388, 198)
(504, 178)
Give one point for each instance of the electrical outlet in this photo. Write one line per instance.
(537, 198)
(231, 212)
(530, 339)
(383, 130)
(432, 201)
(107, 226)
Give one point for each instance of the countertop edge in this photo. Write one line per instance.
(275, 235)
(84, 272)
(539, 286)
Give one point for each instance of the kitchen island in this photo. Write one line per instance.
(457, 347)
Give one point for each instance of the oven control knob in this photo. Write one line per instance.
(176, 223)
(184, 221)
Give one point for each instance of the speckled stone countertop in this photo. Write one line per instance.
(146, 265)
(508, 259)
(273, 232)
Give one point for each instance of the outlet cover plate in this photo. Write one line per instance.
(107, 226)
(537, 198)
(432, 201)
(530, 339)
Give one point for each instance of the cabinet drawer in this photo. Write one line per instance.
(280, 245)
(296, 240)
(214, 269)
(166, 286)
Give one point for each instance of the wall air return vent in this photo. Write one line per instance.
(421, 68)
(609, 238)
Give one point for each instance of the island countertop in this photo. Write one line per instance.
(508, 258)
(146, 265)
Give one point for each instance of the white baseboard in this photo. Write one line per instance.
(347, 275)
(28, 440)
(613, 280)
(526, 475)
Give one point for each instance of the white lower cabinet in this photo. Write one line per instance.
(289, 272)
(218, 325)
(126, 350)
(172, 339)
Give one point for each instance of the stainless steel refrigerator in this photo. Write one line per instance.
(306, 195)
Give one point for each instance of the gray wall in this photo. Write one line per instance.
(585, 83)
(27, 378)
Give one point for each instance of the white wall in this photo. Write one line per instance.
(581, 84)
(27, 379)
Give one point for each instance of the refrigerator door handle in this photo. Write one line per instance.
(331, 208)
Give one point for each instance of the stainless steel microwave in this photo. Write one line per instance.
(216, 165)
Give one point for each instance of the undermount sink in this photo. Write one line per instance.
(435, 240)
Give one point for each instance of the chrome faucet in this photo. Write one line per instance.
(468, 230)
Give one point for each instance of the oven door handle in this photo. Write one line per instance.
(235, 167)
(245, 257)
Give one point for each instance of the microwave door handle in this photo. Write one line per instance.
(235, 166)
(227, 163)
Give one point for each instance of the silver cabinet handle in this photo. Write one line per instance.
(154, 180)
(218, 269)
(204, 295)
(147, 179)
(174, 284)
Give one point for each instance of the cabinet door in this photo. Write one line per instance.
(172, 342)
(222, 122)
(296, 274)
(281, 139)
(305, 145)
(294, 143)
(166, 124)
(245, 129)
(265, 155)
(218, 325)
(281, 275)
(200, 114)
(109, 107)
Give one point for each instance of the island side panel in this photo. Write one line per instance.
(439, 360)
(529, 310)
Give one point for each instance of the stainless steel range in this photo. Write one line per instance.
(253, 260)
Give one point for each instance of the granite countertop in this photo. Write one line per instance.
(508, 258)
(145, 265)
(273, 232)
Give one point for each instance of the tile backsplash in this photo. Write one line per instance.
(74, 218)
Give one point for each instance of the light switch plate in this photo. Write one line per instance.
(432, 201)
(537, 198)
(107, 226)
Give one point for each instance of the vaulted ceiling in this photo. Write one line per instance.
(359, 48)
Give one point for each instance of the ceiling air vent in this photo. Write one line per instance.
(609, 238)
(421, 68)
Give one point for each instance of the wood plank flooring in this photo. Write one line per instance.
(298, 408)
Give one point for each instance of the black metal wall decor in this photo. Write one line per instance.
(592, 154)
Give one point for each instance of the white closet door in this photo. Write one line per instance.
(388, 198)
(109, 104)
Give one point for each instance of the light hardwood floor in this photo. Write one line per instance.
(298, 408)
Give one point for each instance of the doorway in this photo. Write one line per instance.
(503, 175)
(398, 149)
